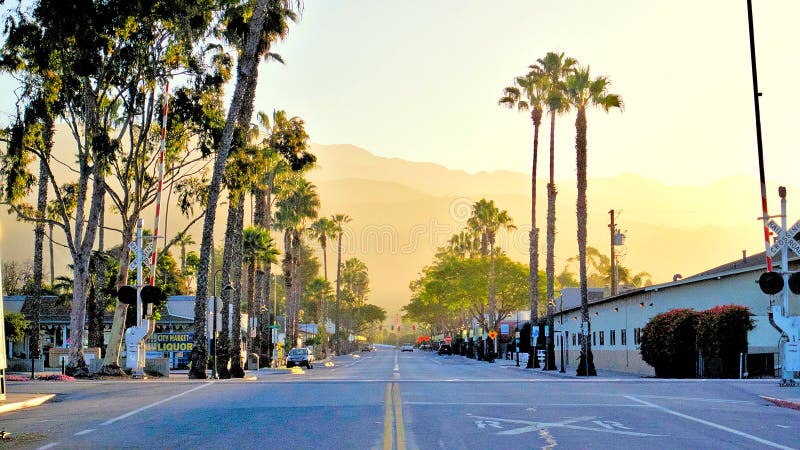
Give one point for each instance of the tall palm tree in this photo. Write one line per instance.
(297, 204)
(339, 220)
(321, 230)
(486, 220)
(257, 248)
(528, 93)
(554, 68)
(584, 92)
(253, 36)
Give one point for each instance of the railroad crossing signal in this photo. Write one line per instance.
(784, 238)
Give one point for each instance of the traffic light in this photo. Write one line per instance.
(153, 295)
(127, 295)
(772, 283)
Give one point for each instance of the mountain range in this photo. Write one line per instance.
(402, 211)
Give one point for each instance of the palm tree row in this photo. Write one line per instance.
(560, 84)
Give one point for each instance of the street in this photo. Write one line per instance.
(388, 399)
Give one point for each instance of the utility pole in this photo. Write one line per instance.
(613, 276)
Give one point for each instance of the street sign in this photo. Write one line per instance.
(504, 328)
(448, 339)
(784, 238)
(492, 334)
(536, 332)
(547, 330)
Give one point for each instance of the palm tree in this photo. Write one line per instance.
(184, 240)
(465, 244)
(253, 36)
(554, 68)
(321, 230)
(297, 203)
(584, 92)
(529, 94)
(257, 248)
(339, 220)
(486, 221)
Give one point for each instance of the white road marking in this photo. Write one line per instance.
(86, 431)
(694, 399)
(567, 423)
(50, 445)
(708, 423)
(143, 408)
(783, 426)
(540, 405)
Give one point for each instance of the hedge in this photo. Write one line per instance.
(671, 341)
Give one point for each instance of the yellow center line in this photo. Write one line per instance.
(398, 417)
(393, 419)
(388, 437)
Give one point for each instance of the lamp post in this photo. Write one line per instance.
(227, 288)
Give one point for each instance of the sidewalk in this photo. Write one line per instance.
(14, 402)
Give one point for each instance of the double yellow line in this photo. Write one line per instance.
(393, 429)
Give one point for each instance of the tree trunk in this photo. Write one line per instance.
(96, 307)
(111, 360)
(227, 336)
(533, 248)
(236, 295)
(38, 250)
(338, 318)
(551, 233)
(580, 151)
(246, 67)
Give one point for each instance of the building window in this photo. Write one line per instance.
(574, 340)
(594, 338)
(636, 336)
(623, 336)
(612, 336)
(602, 340)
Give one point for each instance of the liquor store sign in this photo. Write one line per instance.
(174, 342)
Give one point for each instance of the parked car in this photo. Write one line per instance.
(300, 357)
(368, 348)
(407, 347)
(445, 349)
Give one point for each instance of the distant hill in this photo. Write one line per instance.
(402, 211)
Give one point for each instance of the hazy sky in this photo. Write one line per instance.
(420, 80)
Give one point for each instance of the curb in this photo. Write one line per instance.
(782, 403)
(36, 401)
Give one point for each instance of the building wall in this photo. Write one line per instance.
(630, 312)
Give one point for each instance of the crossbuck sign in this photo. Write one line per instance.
(784, 238)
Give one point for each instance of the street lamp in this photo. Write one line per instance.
(227, 288)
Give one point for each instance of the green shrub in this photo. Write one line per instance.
(669, 343)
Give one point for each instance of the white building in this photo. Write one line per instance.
(616, 322)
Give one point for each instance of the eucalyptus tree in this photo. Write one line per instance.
(553, 68)
(105, 69)
(486, 220)
(297, 203)
(251, 27)
(529, 93)
(584, 92)
(339, 221)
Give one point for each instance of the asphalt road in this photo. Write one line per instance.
(392, 400)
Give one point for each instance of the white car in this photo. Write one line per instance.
(407, 348)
